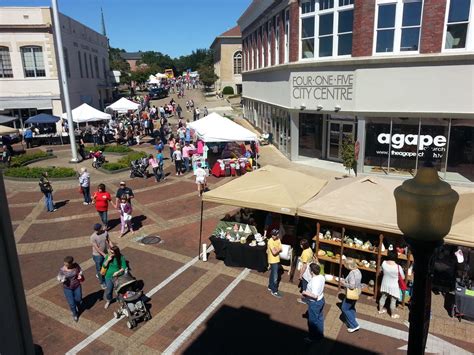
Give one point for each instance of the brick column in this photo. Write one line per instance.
(432, 29)
(264, 45)
(272, 43)
(259, 47)
(282, 37)
(363, 28)
(294, 31)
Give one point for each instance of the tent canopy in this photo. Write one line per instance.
(6, 119)
(86, 113)
(5, 130)
(124, 105)
(215, 128)
(43, 118)
(369, 203)
(269, 188)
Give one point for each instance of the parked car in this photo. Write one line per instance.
(158, 93)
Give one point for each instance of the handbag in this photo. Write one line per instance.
(103, 270)
(401, 282)
(353, 294)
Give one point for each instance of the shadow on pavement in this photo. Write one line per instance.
(60, 204)
(91, 299)
(246, 331)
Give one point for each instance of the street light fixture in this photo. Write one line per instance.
(425, 208)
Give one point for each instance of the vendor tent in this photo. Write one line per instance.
(124, 105)
(369, 203)
(215, 128)
(269, 188)
(86, 113)
(42, 118)
(5, 130)
(161, 76)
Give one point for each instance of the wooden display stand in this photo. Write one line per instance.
(338, 248)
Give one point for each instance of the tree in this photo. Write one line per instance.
(207, 75)
(348, 154)
(116, 62)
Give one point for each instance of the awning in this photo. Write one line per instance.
(43, 118)
(6, 119)
(13, 103)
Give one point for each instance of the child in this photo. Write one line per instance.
(125, 216)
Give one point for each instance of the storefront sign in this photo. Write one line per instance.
(336, 87)
(399, 141)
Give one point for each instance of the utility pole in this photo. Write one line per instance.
(63, 76)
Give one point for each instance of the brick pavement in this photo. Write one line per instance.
(249, 315)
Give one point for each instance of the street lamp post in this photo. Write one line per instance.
(425, 208)
(62, 72)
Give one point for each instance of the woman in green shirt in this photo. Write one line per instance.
(115, 265)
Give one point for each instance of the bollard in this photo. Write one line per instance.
(204, 252)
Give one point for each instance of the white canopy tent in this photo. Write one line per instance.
(215, 128)
(160, 76)
(123, 105)
(86, 113)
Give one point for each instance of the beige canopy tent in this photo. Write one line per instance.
(369, 203)
(269, 188)
(4, 130)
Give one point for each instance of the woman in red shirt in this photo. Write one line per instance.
(101, 199)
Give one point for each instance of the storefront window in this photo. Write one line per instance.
(310, 135)
(376, 153)
(434, 136)
(461, 151)
(403, 145)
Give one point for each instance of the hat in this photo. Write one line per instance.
(97, 226)
(122, 183)
(350, 264)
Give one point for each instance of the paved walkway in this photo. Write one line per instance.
(197, 307)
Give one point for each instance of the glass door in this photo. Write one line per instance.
(337, 132)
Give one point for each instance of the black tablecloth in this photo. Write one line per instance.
(240, 255)
(464, 303)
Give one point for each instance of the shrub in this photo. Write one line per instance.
(124, 162)
(24, 159)
(111, 148)
(36, 172)
(228, 90)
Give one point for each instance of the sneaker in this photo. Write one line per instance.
(85, 203)
(76, 318)
(269, 289)
(277, 294)
(352, 330)
(107, 304)
(96, 276)
(103, 286)
(395, 316)
(382, 311)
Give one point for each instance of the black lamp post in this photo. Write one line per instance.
(425, 208)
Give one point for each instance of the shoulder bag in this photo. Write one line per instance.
(401, 282)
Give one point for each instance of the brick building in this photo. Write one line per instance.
(227, 48)
(395, 75)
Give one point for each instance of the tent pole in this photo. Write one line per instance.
(200, 231)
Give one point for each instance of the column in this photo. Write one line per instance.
(363, 28)
(295, 134)
(432, 29)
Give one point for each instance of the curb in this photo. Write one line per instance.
(38, 159)
(113, 171)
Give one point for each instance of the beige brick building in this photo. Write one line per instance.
(227, 49)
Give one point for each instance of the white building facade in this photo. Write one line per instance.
(396, 76)
(29, 67)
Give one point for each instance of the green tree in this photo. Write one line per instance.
(207, 75)
(348, 154)
(116, 62)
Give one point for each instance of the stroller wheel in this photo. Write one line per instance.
(132, 175)
(129, 325)
(116, 314)
(147, 316)
(126, 312)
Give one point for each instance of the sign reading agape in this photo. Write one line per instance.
(338, 87)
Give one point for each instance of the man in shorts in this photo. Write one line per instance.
(201, 175)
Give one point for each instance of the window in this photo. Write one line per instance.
(66, 60)
(6, 70)
(79, 57)
(457, 24)
(92, 68)
(326, 28)
(104, 65)
(238, 63)
(85, 64)
(277, 39)
(398, 26)
(33, 63)
(96, 65)
(269, 42)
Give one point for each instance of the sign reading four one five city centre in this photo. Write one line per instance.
(327, 89)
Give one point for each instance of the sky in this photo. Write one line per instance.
(173, 27)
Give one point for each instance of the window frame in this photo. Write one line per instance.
(398, 27)
(469, 34)
(335, 11)
(6, 49)
(234, 58)
(32, 47)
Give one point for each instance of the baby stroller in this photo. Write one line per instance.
(139, 168)
(98, 159)
(130, 300)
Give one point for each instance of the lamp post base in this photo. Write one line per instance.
(420, 304)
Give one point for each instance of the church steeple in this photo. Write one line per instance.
(104, 32)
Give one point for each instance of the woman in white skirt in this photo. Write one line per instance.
(201, 176)
(390, 288)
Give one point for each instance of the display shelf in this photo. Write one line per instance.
(330, 242)
(333, 282)
(366, 268)
(329, 259)
(346, 246)
(368, 290)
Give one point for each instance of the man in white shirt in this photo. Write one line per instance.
(315, 299)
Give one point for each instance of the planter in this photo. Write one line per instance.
(12, 178)
(113, 171)
(115, 153)
(39, 159)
